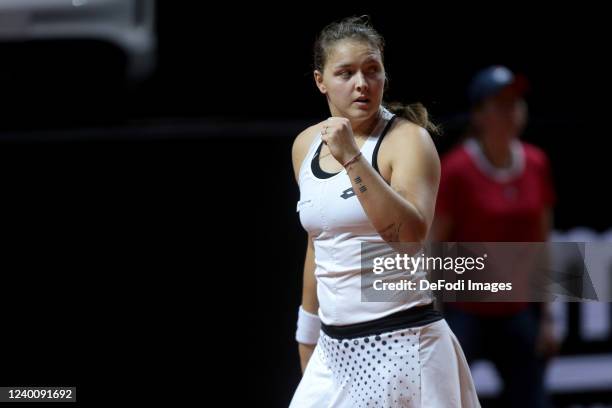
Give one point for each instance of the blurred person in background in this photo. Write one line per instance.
(496, 188)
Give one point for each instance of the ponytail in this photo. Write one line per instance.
(415, 113)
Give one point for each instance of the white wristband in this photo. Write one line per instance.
(308, 327)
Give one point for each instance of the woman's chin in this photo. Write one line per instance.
(363, 112)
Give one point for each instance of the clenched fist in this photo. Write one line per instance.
(337, 134)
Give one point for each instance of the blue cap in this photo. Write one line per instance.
(490, 81)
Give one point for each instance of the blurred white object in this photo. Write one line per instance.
(595, 321)
(125, 24)
(589, 373)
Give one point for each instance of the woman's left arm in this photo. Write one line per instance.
(403, 210)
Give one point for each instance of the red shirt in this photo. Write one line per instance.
(487, 204)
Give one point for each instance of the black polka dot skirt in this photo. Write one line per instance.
(412, 367)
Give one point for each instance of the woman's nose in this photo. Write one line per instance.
(361, 83)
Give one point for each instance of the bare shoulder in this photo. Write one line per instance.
(301, 144)
(407, 143)
(407, 133)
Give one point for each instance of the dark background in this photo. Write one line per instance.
(150, 237)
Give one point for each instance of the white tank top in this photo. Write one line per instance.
(333, 216)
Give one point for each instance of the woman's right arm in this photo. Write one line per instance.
(310, 303)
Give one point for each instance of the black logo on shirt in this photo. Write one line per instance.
(348, 193)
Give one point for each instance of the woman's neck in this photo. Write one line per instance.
(364, 128)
